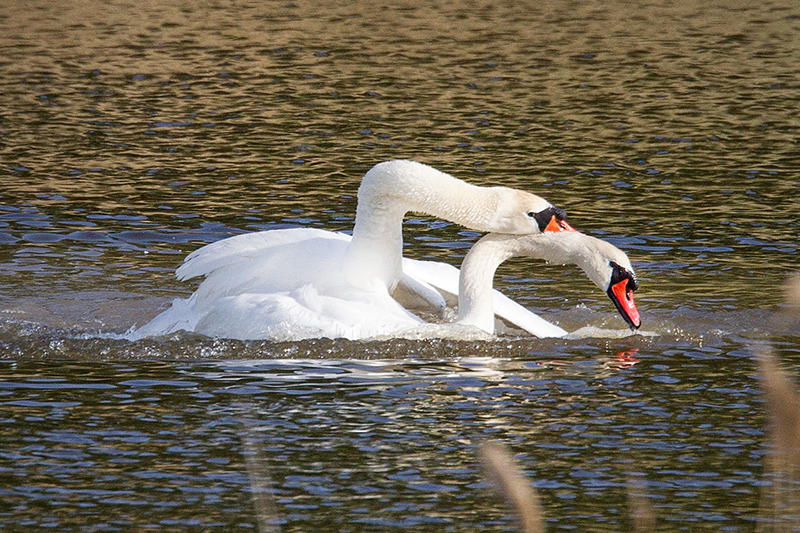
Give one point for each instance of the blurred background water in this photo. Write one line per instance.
(132, 134)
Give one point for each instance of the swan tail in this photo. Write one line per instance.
(182, 315)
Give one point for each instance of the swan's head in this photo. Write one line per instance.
(521, 213)
(611, 270)
(620, 290)
(605, 264)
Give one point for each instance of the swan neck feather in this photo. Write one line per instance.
(480, 264)
(391, 189)
(475, 300)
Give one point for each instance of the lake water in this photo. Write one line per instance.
(131, 135)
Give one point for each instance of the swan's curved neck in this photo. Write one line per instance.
(475, 306)
(475, 300)
(390, 190)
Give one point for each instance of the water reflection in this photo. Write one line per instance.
(386, 442)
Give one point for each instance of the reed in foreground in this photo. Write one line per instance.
(780, 500)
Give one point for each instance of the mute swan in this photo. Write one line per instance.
(605, 265)
(308, 313)
(334, 274)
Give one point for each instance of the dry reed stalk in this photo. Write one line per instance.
(501, 469)
(780, 499)
(792, 290)
(260, 485)
(642, 515)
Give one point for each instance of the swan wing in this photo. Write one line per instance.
(432, 283)
(244, 248)
(268, 262)
(444, 278)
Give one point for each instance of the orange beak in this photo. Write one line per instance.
(622, 297)
(558, 225)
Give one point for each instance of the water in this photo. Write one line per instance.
(130, 136)
(365, 445)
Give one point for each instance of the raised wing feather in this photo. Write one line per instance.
(242, 249)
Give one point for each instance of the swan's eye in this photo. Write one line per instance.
(531, 214)
(620, 273)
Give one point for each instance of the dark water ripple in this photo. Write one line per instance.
(375, 442)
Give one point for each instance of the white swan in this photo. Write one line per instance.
(605, 265)
(307, 313)
(321, 283)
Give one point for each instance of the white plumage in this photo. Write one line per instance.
(307, 283)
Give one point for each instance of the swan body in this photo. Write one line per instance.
(333, 308)
(249, 293)
(302, 283)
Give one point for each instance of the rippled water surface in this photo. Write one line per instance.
(131, 135)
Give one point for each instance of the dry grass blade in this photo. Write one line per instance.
(780, 506)
(260, 485)
(792, 305)
(642, 515)
(503, 471)
(783, 408)
(787, 319)
(780, 503)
